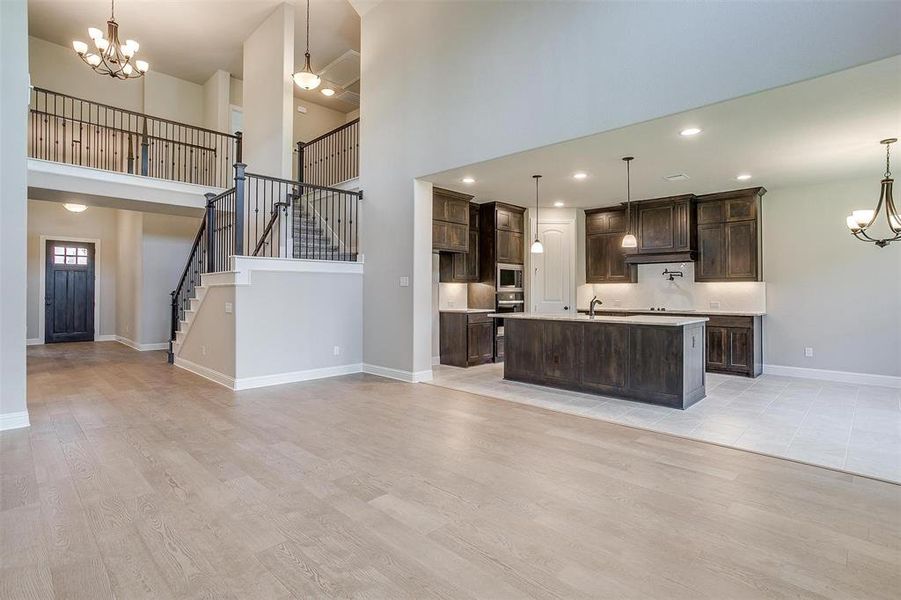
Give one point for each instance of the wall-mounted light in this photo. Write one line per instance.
(76, 208)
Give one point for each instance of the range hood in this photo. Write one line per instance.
(661, 257)
(666, 229)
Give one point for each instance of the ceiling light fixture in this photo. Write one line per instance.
(468, 180)
(558, 203)
(537, 246)
(689, 131)
(326, 91)
(76, 208)
(580, 175)
(112, 58)
(860, 221)
(307, 79)
(743, 177)
(629, 240)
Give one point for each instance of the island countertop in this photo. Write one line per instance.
(669, 321)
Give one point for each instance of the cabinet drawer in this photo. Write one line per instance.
(478, 318)
(723, 321)
(451, 237)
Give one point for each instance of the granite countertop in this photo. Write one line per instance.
(672, 321)
(679, 311)
(466, 310)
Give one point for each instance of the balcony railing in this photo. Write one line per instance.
(81, 132)
(332, 158)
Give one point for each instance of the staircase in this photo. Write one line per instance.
(322, 227)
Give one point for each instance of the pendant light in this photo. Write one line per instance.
(629, 240)
(537, 246)
(307, 79)
(860, 221)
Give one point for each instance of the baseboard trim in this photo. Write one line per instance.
(246, 383)
(407, 376)
(34, 342)
(205, 372)
(838, 376)
(141, 347)
(107, 337)
(16, 420)
(436, 360)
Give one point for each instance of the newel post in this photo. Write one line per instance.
(239, 208)
(300, 148)
(239, 147)
(210, 233)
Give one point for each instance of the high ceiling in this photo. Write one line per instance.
(818, 130)
(190, 39)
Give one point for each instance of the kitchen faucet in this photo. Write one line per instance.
(594, 301)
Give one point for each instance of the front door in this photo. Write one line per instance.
(552, 271)
(69, 292)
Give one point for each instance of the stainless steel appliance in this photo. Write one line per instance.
(509, 278)
(507, 302)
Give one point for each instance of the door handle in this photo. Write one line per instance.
(565, 308)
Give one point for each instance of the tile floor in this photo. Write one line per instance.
(855, 428)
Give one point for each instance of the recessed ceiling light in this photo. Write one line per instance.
(328, 92)
(580, 175)
(558, 203)
(689, 131)
(743, 177)
(76, 208)
(468, 180)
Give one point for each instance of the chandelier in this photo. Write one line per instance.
(307, 79)
(112, 57)
(860, 221)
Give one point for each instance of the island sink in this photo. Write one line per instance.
(648, 358)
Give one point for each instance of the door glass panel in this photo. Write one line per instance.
(70, 260)
(58, 260)
(59, 250)
(82, 260)
(82, 251)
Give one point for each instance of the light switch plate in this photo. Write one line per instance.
(229, 308)
(404, 281)
(808, 352)
(714, 304)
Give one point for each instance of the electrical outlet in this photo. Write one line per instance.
(808, 352)
(229, 308)
(451, 303)
(404, 281)
(714, 304)
(203, 350)
(337, 350)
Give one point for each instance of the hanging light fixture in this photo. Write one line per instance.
(537, 246)
(112, 57)
(860, 221)
(307, 79)
(629, 240)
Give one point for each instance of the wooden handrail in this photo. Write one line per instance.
(332, 132)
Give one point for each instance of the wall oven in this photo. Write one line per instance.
(509, 278)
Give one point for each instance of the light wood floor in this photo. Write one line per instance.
(139, 480)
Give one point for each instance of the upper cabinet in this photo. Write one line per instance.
(665, 229)
(463, 267)
(729, 242)
(605, 259)
(450, 221)
(502, 236)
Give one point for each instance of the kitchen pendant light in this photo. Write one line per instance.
(860, 221)
(307, 79)
(629, 240)
(112, 57)
(537, 246)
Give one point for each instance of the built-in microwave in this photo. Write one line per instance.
(509, 278)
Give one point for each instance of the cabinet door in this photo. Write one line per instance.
(596, 222)
(655, 228)
(457, 211)
(439, 207)
(480, 348)
(509, 247)
(740, 354)
(471, 258)
(711, 212)
(682, 225)
(741, 250)
(616, 221)
(562, 345)
(617, 269)
(595, 258)
(604, 355)
(741, 209)
(711, 264)
(717, 340)
(504, 219)
(450, 237)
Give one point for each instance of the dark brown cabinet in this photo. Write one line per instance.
(665, 229)
(728, 236)
(605, 259)
(463, 267)
(501, 238)
(734, 345)
(450, 221)
(466, 339)
(510, 247)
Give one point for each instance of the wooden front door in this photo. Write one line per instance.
(69, 292)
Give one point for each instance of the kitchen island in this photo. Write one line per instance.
(649, 358)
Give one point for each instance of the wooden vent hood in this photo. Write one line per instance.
(666, 229)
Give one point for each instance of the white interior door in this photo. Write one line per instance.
(553, 271)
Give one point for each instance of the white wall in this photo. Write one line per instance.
(13, 223)
(165, 243)
(129, 276)
(216, 92)
(52, 220)
(316, 121)
(490, 79)
(825, 289)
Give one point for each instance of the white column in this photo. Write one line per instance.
(269, 94)
(216, 101)
(13, 206)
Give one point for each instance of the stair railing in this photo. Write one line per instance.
(331, 158)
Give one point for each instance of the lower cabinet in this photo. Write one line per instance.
(466, 339)
(734, 345)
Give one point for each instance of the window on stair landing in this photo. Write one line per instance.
(69, 255)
